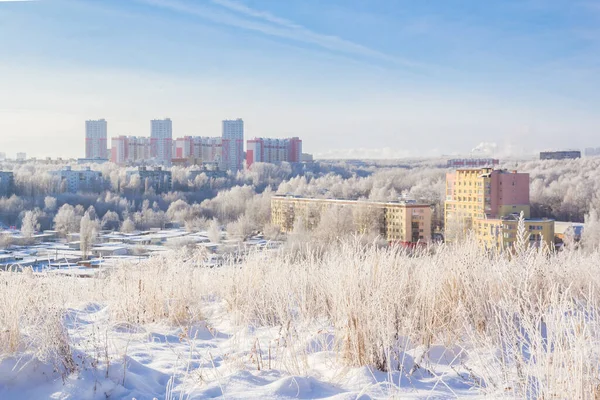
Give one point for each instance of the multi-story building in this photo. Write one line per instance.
(96, 139)
(560, 155)
(2, 156)
(161, 137)
(473, 193)
(81, 181)
(592, 152)
(130, 149)
(158, 179)
(233, 144)
(402, 222)
(273, 150)
(7, 183)
(489, 202)
(208, 150)
(21, 156)
(472, 162)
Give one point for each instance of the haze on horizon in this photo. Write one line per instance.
(378, 78)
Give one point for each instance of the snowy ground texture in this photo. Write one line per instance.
(215, 359)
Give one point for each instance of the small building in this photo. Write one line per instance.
(561, 228)
(501, 233)
(306, 158)
(109, 251)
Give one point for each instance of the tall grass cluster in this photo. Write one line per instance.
(524, 325)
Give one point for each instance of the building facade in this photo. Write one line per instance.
(273, 150)
(96, 139)
(157, 179)
(233, 144)
(560, 155)
(80, 181)
(207, 150)
(130, 150)
(161, 137)
(21, 156)
(405, 223)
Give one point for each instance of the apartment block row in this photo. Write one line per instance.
(402, 222)
(226, 151)
(489, 202)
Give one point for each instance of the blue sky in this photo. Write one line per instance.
(353, 78)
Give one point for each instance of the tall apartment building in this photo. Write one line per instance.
(7, 183)
(130, 149)
(96, 139)
(21, 156)
(403, 223)
(560, 155)
(206, 149)
(233, 144)
(81, 181)
(2, 156)
(161, 137)
(273, 150)
(488, 202)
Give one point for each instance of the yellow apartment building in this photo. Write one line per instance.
(489, 202)
(402, 222)
(473, 193)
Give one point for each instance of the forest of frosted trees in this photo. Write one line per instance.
(563, 190)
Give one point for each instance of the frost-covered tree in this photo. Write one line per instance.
(242, 228)
(522, 239)
(128, 226)
(590, 238)
(67, 220)
(88, 233)
(50, 204)
(214, 231)
(111, 221)
(30, 224)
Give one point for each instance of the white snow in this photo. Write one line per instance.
(216, 358)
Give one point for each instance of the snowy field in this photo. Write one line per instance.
(350, 322)
(213, 359)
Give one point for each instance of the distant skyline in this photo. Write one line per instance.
(356, 79)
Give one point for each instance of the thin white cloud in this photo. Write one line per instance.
(243, 9)
(240, 16)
